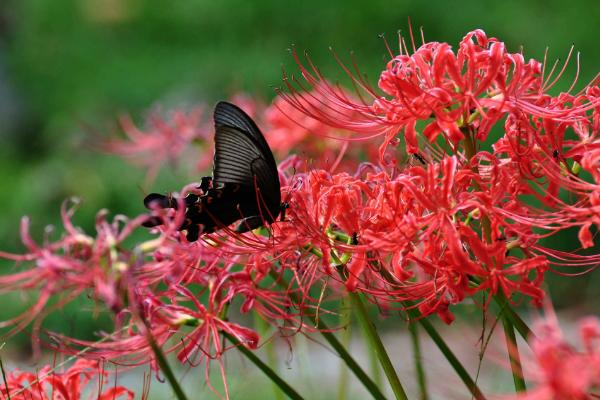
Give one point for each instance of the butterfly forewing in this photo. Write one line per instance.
(242, 156)
(227, 114)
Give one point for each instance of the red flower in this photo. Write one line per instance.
(64, 269)
(165, 140)
(290, 129)
(473, 88)
(47, 384)
(560, 370)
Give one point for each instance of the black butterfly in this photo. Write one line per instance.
(245, 182)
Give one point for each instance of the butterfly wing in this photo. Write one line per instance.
(245, 183)
(243, 157)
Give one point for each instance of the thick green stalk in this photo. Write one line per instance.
(374, 361)
(377, 346)
(338, 347)
(276, 379)
(350, 362)
(454, 362)
(165, 368)
(374, 365)
(373, 338)
(514, 318)
(270, 351)
(414, 335)
(513, 353)
(346, 334)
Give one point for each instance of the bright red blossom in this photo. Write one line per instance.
(473, 88)
(414, 239)
(290, 130)
(74, 384)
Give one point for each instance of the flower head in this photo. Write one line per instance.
(75, 383)
(472, 88)
(561, 370)
(164, 141)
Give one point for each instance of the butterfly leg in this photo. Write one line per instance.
(282, 208)
(205, 183)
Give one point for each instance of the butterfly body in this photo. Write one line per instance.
(244, 186)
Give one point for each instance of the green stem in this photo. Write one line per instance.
(276, 379)
(372, 337)
(458, 367)
(514, 318)
(4, 376)
(377, 346)
(346, 334)
(350, 362)
(454, 362)
(374, 361)
(270, 351)
(414, 335)
(165, 368)
(513, 353)
(335, 343)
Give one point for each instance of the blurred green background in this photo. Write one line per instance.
(68, 68)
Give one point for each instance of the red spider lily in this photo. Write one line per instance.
(289, 130)
(422, 235)
(78, 262)
(560, 370)
(68, 267)
(165, 140)
(74, 384)
(130, 283)
(190, 323)
(473, 88)
(444, 232)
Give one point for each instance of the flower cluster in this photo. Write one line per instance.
(164, 141)
(47, 384)
(470, 220)
(453, 94)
